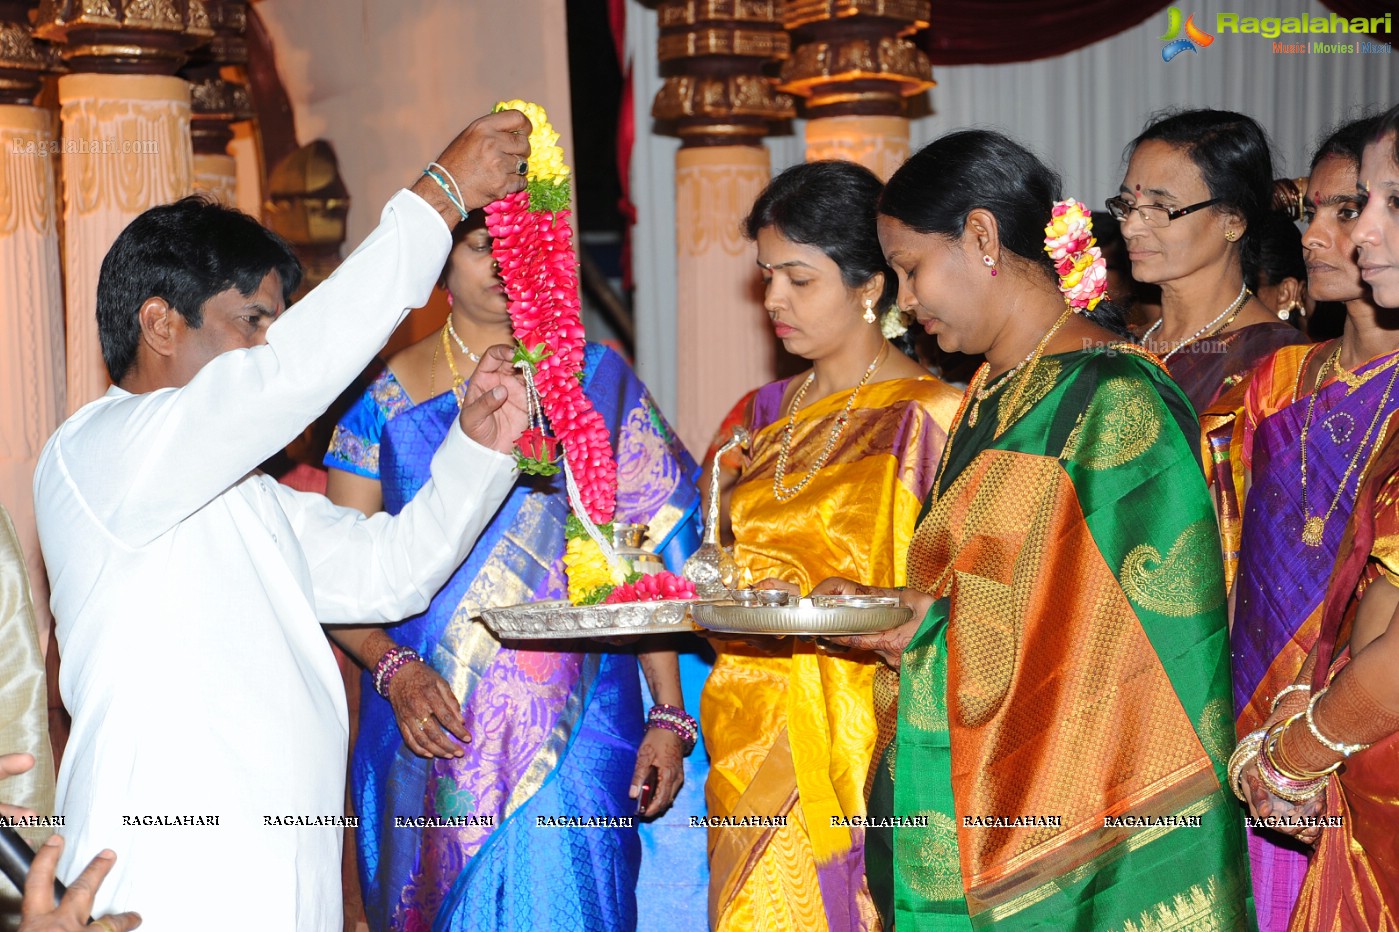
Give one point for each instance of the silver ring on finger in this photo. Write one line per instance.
(521, 167)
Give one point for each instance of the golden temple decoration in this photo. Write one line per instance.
(854, 57)
(124, 36)
(714, 55)
(306, 205)
(23, 62)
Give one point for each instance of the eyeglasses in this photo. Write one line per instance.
(1153, 215)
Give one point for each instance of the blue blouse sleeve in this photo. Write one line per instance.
(354, 447)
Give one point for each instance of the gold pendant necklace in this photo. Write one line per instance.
(980, 394)
(1314, 526)
(779, 476)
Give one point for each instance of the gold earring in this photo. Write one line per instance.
(1230, 235)
(870, 316)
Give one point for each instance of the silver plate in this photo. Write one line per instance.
(797, 619)
(561, 620)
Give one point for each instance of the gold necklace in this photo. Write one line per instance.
(779, 477)
(458, 380)
(1314, 526)
(980, 394)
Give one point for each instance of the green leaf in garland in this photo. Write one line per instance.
(548, 195)
(532, 356)
(597, 596)
(573, 529)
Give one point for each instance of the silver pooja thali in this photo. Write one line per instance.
(823, 615)
(561, 620)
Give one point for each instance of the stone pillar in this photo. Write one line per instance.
(717, 99)
(126, 141)
(855, 67)
(31, 287)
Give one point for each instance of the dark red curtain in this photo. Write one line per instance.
(993, 32)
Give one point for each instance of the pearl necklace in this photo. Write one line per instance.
(1229, 312)
(466, 350)
(779, 477)
(1314, 526)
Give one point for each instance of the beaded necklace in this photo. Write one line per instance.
(980, 394)
(1225, 318)
(780, 488)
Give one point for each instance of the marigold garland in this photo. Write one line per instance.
(532, 242)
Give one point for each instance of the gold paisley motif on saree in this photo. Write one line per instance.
(1126, 422)
(1175, 586)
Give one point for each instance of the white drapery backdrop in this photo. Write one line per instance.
(1077, 111)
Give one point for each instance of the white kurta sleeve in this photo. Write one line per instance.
(384, 568)
(144, 463)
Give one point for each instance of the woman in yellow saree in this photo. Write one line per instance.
(840, 458)
(1063, 688)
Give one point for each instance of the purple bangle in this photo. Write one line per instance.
(676, 720)
(394, 659)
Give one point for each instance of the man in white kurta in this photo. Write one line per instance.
(209, 720)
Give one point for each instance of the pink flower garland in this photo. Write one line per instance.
(1068, 239)
(535, 252)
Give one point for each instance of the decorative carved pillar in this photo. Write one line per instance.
(717, 99)
(126, 140)
(855, 66)
(219, 99)
(31, 287)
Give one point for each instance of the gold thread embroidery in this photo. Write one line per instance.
(1038, 382)
(1125, 424)
(926, 710)
(1216, 729)
(984, 638)
(1193, 909)
(1175, 586)
(927, 857)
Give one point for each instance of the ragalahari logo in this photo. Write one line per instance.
(1193, 40)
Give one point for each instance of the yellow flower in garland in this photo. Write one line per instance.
(588, 570)
(547, 173)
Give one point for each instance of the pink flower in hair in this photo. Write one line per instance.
(1068, 239)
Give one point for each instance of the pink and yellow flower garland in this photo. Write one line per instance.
(1068, 239)
(533, 243)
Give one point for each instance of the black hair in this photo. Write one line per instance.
(934, 191)
(184, 253)
(1280, 251)
(1233, 157)
(829, 205)
(1385, 124)
(1346, 141)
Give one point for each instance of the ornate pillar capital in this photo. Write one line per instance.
(23, 62)
(124, 36)
(713, 54)
(854, 57)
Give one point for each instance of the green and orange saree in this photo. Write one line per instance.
(1064, 710)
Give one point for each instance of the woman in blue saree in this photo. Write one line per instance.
(449, 834)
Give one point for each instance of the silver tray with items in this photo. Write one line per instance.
(822, 616)
(559, 619)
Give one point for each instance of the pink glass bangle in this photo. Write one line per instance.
(676, 721)
(394, 659)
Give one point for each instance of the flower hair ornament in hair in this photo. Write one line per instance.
(1083, 273)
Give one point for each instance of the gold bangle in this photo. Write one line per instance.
(1339, 747)
(1295, 687)
(1246, 750)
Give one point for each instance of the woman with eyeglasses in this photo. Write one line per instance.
(1198, 185)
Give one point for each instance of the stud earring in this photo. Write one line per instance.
(869, 315)
(1230, 235)
(990, 264)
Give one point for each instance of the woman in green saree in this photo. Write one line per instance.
(1064, 712)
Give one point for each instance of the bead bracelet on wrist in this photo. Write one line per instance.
(677, 721)
(394, 659)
